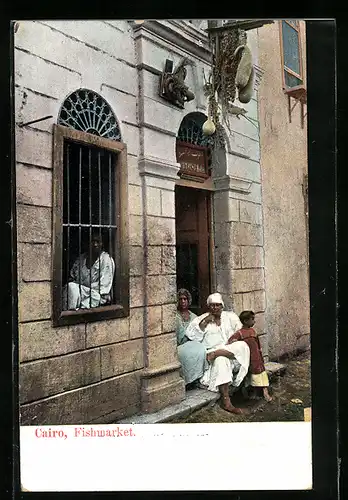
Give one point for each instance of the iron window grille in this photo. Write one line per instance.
(190, 132)
(87, 111)
(90, 204)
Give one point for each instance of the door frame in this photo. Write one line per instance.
(210, 223)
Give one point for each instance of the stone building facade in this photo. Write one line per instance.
(283, 138)
(102, 371)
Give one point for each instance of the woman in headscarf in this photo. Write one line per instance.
(228, 364)
(191, 354)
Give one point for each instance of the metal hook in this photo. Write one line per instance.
(35, 121)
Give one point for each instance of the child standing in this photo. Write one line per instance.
(259, 377)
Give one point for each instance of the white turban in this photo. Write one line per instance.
(215, 298)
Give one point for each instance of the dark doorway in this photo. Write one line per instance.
(192, 214)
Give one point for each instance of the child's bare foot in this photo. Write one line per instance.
(267, 396)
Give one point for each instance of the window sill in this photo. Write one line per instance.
(90, 315)
(298, 92)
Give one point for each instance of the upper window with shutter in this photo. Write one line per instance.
(291, 53)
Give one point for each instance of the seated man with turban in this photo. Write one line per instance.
(91, 278)
(228, 363)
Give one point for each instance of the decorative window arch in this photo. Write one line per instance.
(90, 208)
(87, 111)
(193, 148)
(190, 130)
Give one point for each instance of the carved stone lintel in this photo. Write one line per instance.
(157, 167)
(173, 88)
(233, 183)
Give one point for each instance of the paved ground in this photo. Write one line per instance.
(293, 385)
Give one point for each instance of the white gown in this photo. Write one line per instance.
(89, 287)
(222, 370)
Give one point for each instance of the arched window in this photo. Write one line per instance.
(90, 248)
(191, 130)
(193, 148)
(89, 112)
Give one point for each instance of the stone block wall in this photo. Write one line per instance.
(284, 167)
(159, 122)
(87, 372)
(238, 216)
(102, 371)
(239, 258)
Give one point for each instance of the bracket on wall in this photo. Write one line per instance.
(172, 86)
(299, 94)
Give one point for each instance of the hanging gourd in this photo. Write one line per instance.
(245, 74)
(208, 127)
(245, 94)
(232, 75)
(244, 67)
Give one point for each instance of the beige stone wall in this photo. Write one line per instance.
(238, 220)
(106, 370)
(283, 165)
(95, 372)
(159, 122)
(88, 372)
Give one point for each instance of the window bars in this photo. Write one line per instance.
(89, 226)
(89, 199)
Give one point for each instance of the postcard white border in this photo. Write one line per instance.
(167, 457)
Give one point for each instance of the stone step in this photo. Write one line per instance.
(195, 400)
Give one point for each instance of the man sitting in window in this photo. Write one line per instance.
(90, 279)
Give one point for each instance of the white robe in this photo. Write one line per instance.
(89, 287)
(222, 370)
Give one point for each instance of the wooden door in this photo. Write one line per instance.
(192, 212)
